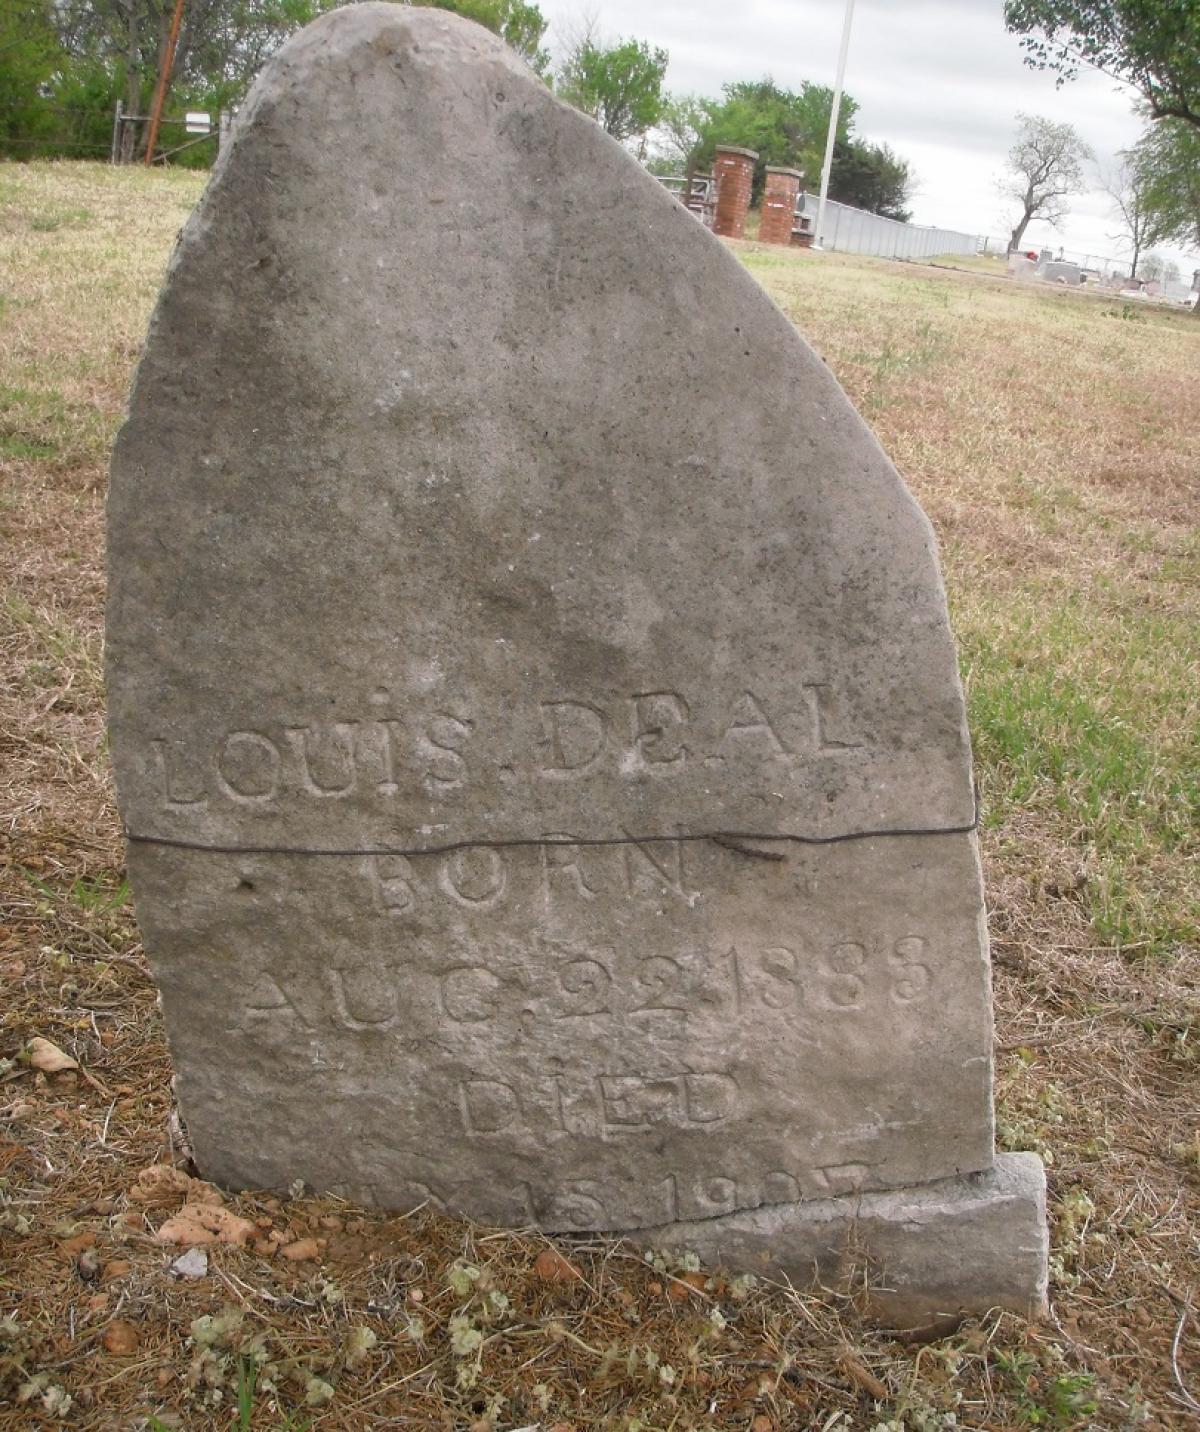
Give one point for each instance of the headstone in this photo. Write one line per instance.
(535, 717)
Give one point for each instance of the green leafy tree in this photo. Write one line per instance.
(521, 25)
(1168, 158)
(221, 47)
(1045, 167)
(789, 128)
(681, 131)
(872, 177)
(1153, 45)
(111, 49)
(785, 127)
(29, 57)
(620, 86)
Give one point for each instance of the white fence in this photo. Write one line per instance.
(855, 231)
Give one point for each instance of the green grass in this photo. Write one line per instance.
(1074, 716)
(1056, 452)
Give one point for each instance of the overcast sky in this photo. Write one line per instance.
(941, 81)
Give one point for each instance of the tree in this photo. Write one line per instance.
(1158, 269)
(1129, 189)
(788, 128)
(118, 45)
(785, 127)
(1168, 157)
(29, 55)
(872, 177)
(1153, 45)
(620, 86)
(1045, 167)
(681, 129)
(521, 25)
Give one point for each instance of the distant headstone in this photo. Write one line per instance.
(535, 716)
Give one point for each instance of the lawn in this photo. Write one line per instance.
(1053, 439)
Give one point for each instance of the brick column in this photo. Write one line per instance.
(733, 170)
(779, 205)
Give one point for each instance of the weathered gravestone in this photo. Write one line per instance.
(535, 716)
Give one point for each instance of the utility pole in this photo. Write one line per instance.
(833, 123)
(114, 154)
(164, 75)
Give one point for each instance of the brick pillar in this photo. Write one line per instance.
(733, 170)
(779, 205)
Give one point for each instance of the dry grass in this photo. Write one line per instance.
(1054, 442)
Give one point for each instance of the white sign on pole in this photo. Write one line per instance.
(196, 122)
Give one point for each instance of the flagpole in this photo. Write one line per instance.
(833, 123)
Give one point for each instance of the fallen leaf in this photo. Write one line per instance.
(551, 1267)
(47, 1057)
(303, 1250)
(121, 1338)
(683, 1285)
(74, 1246)
(116, 1268)
(197, 1224)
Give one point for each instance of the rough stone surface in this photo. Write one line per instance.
(928, 1254)
(503, 598)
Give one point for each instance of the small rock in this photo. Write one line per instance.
(192, 1264)
(551, 1267)
(97, 1303)
(87, 1265)
(49, 1058)
(121, 1338)
(303, 1250)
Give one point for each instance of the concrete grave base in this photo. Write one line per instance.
(935, 1252)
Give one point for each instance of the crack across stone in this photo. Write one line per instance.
(739, 841)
